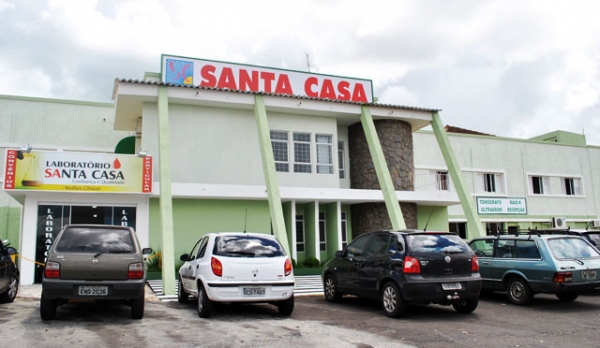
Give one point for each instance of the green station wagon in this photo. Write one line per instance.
(525, 264)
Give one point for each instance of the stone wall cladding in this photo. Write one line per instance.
(396, 141)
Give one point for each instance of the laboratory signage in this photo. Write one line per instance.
(77, 172)
(495, 205)
(222, 75)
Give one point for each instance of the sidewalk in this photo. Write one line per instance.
(34, 292)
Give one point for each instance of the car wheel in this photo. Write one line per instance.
(47, 308)
(286, 307)
(204, 303)
(137, 307)
(466, 306)
(391, 301)
(182, 296)
(567, 296)
(519, 292)
(11, 293)
(330, 289)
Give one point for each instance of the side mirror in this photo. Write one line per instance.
(184, 257)
(147, 251)
(11, 251)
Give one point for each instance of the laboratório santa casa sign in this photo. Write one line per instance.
(77, 172)
(222, 75)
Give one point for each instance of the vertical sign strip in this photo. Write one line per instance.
(147, 175)
(9, 169)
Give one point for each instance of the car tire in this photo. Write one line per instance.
(330, 289)
(567, 296)
(466, 306)
(47, 308)
(11, 293)
(286, 307)
(204, 303)
(391, 301)
(137, 307)
(182, 296)
(519, 291)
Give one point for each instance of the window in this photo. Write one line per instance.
(279, 142)
(490, 182)
(441, 180)
(460, 228)
(572, 186)
(540, 185)
(302, 162)
(344, 230)
(299, 232)
(341, 160)
(322, 233)
(494, 228)
(324, 153)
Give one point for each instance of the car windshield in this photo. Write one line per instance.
(95, 240)
(445, 243)
(572, 248)
(247, 246)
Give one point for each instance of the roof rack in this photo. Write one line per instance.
(537, 232)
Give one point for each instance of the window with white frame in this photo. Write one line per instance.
(540, 185)
(490, 182)
(571, 186)
(322, 233)
(302, 161)
(441, 180)
(344, 230)
(299, 232)
(279, 142)
(341, 160)
(324, 144)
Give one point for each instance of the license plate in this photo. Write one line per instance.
(252, 292)
(451, 286)
(93, 291)
(588, 275)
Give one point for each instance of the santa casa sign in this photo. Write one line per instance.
(214, 74)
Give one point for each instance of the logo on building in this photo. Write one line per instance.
(180, 72)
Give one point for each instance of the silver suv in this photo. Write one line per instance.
(94, 262)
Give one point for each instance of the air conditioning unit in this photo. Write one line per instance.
(559, 222)
(596, 223)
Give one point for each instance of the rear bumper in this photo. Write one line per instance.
(117, 289)
(223, 292)
(422, 290)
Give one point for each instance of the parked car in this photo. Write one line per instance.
(405, 267)
(94, 262)
(525, 264)
(237, 267)
(592, 236)
(9, 274)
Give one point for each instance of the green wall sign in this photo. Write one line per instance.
(497, 205)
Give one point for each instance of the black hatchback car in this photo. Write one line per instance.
(405, 267)
(9, 274)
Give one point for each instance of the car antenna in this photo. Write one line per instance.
(428, 219)
(588, 225)
(246, 220)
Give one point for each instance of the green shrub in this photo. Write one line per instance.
(311, 262)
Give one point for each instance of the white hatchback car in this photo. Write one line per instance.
(237, 267)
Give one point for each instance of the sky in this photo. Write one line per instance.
(511, 68)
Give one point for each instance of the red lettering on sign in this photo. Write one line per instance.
(308, 87)
(268, 78)
(247, 82)
(283, 85)
(208, 76)
(227, 80)
(327, 90)
(344, 91)
(359, 94)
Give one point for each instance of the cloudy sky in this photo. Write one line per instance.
(511, 68)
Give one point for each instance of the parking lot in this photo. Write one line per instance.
(314, 323)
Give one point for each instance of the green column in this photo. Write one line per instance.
(381, 168)
(474, 227)
(166, 200)
(268, 160)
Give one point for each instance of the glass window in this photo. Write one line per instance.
(537, 185)
(95, 240)
(459, 228)
(427, 243)
(572, 248)
(505, 248)
(299, 232)
(441, 179)
(279, 142)
(527, 249)
(572, 187)
(341, 160)
(357, 247)
(322, 232)
(302, 161)
(324, 153)
(344, 230)
(490, 182)
(483, 247)
(379, 245)
(202, 248)
(247, 246)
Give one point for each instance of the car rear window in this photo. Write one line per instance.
(571, 248)
(247, 246)
(99, 240)
(435, 243)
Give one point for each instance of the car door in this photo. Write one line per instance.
(504, 259)
(372, 267)
(187, 270)
(347, 267)
(484, 250)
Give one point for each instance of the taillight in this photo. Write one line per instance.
(52, 270)
(411, 265)
(287, 267)
(216, 266)
(135, 271)
(474, 264)
(563, 277)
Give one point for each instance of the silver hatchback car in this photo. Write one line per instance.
(94, 262)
